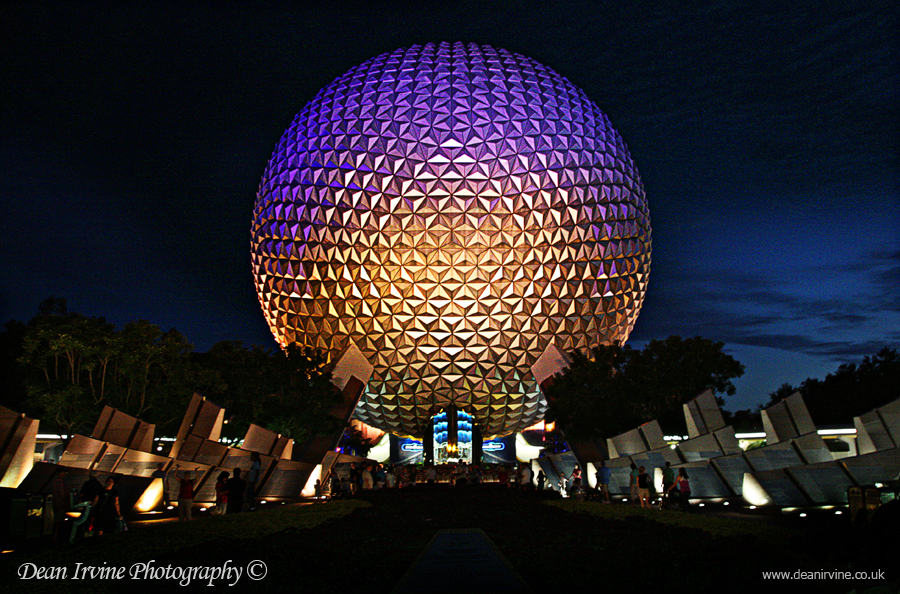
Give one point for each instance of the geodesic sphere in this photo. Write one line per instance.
(451, 210)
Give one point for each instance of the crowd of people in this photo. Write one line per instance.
(236, 492)
(346, 480)
(675, 494)
(95, 508)
(676, 488)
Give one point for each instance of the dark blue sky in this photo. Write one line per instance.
(132, 141)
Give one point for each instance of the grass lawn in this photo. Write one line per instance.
(367, 545)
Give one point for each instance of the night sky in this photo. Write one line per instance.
(133, 139)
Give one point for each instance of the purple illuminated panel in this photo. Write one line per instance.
(452, 210)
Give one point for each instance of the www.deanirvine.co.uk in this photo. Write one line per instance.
(823, 575)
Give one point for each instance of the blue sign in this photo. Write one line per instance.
(493, 446)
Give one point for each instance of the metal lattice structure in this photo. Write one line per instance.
(451, 210)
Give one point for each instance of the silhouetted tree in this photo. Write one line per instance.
(667, 373)
(288, 392)
(618, 388)
(850, 391)
(61, 355)
(235, 377)
(302, 395)
(73, 365)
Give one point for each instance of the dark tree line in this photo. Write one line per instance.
(63, 367)
(617, 388)
(286, 391)
(850, 391)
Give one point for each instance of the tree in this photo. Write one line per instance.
(671, 372)
(591, 397)
(153, 370)
(785, 390)
(618, 388)
(288, 391)
(74, 365)
(850, 391)
(298, 407)
(61, 348)
(236, 377)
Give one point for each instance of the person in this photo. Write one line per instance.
(391, 478)
(90, 494)
(335, 482)
(603, 476)
(221, 494)
(684, 489)
(576, 490)
(354, 479)
(91, 489)
(236, 488)
(668, 477)
(503, 476)
(526, 478)
(430, 475)
(253, 479)
(367, 481)
(107, 509)
(75, 522)
(186, 486)
(635, 497)
(460, 473)
(576, 477)
(643, 481)
(474, 474)
(563, 484)
(160, 473)
(541, 479)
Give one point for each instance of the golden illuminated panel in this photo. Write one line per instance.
(451, 210)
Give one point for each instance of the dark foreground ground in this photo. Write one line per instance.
(367, 545)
